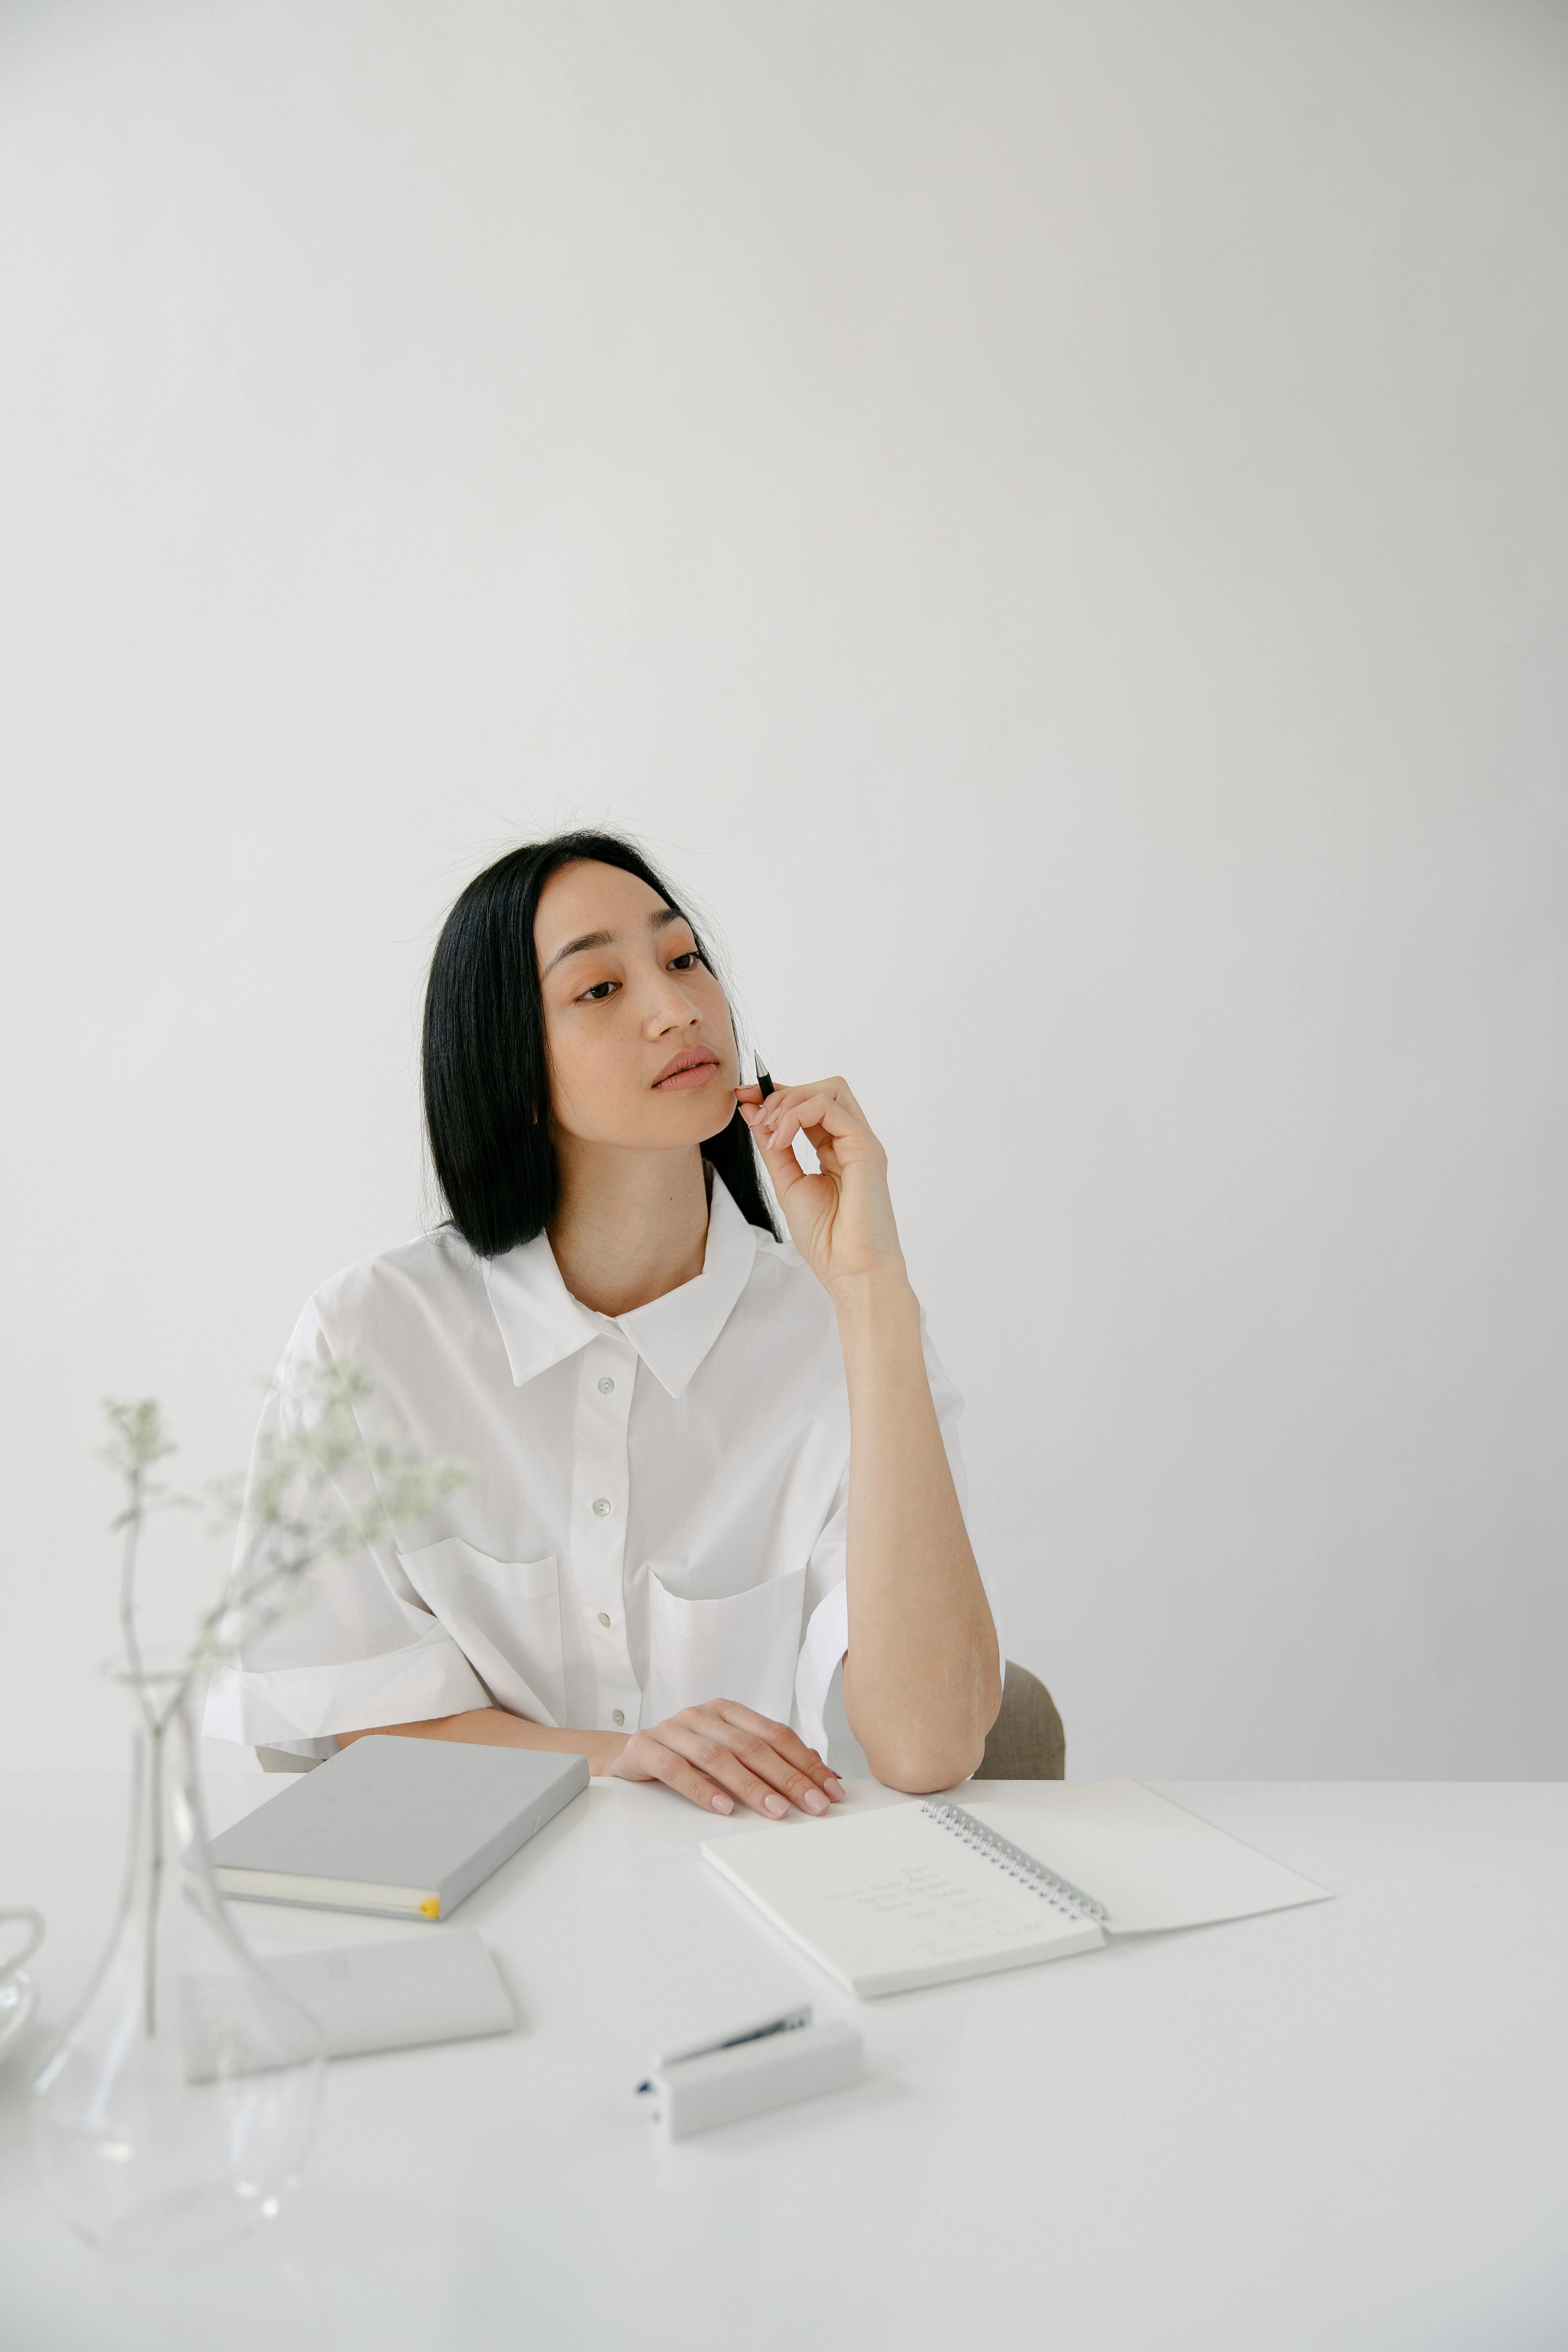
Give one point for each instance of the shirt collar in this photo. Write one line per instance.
(542, 1324)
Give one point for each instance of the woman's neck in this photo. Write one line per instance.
(631, 1226)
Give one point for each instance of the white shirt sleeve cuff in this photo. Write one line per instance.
(293, 1703)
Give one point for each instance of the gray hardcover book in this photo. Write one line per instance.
(407, 1827)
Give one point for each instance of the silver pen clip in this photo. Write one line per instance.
(786, 2024)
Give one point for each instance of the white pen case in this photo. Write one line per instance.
(771, 2065)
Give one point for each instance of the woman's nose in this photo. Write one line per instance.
(669, 1008)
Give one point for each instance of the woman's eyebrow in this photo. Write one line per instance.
(578, 946)
(655, 922)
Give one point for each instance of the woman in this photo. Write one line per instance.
(708, 1465)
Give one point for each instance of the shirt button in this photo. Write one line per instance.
(602, 1507)
(607, 1386)
(617, 1718)
(604, 1617)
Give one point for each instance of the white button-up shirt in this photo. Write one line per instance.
(657, 1514)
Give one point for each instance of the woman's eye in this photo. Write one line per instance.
(685, 962)
(597, 993)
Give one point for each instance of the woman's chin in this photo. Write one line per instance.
(665, 1122)
(697, 1114)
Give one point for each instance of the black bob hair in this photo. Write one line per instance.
(486, 1067)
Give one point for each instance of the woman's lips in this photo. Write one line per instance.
(688, 1070)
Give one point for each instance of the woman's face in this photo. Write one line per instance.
(642, 1049)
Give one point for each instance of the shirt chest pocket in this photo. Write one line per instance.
(745, 1646)
(505, 1617)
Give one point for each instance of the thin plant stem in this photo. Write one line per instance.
(154, 1880)
(300, 1517)
(135, 1513)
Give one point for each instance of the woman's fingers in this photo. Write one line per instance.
(826, 1114)
(822, 1112)
(836, 1091)
(784, 1100)
(777, 1147)
(724, 1754)
(646, 1757)
(723, 1764)
(783, 1168)
(789, 1782)
(726, 1749)
(788, 1743)
(817, 1104)
(772, 1753)
(744, 1765)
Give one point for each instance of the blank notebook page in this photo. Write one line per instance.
(1149, 1863)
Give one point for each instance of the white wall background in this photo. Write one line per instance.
(1050, 519)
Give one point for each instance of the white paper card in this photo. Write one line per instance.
(440, 1987)
(393, 1996)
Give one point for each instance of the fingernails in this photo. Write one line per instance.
(813, 1800)
(774, 1805)
(723, 1804)
(834, 1785)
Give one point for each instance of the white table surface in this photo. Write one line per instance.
(1340, 2128)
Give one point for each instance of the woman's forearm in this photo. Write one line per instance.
(492, 1727)
(921, 1677)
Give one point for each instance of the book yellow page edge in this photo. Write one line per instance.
(332, 1893)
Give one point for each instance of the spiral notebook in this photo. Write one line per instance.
(918, 1895)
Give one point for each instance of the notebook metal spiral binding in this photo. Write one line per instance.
(1060, 1893)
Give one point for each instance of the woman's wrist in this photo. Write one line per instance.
(875, 1304)
(605, 1750)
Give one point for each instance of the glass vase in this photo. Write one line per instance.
(177, 2111)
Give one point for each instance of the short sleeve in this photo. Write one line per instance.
(359, 1648)
(827, 1636)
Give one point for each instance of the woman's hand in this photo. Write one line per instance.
(841, 1220)
(718, 1752)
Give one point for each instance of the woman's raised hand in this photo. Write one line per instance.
(840, 1220)
(722, 1752)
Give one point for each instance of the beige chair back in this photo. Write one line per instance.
(1026, 1741)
